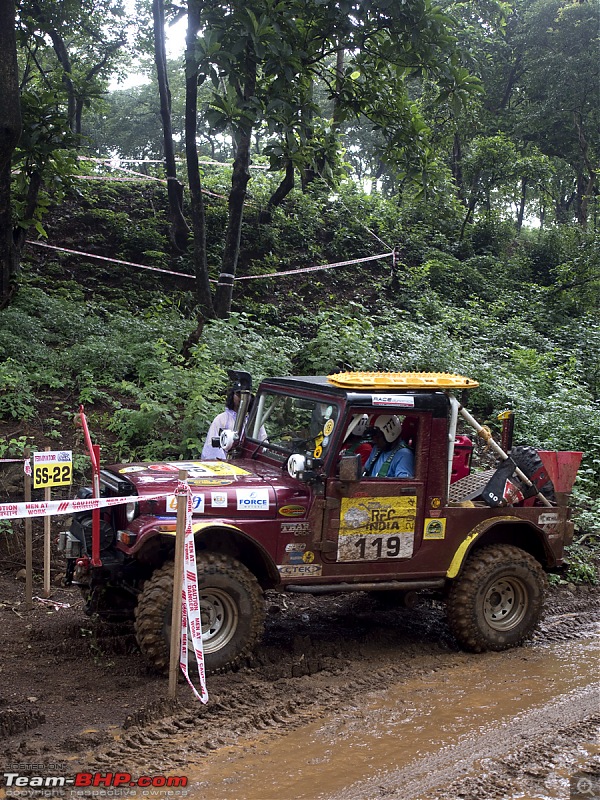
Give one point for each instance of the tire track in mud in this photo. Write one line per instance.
(416, 781)
(290, 684)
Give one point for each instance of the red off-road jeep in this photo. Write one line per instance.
(289, 511)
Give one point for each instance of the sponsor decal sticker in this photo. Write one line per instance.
(292, 511)
(252, 499)
(308, 557)
(376, 528)
(329, 426)
(295, 547)
(295, 528)
(403, 400)
(197, 504)
(128, 470)
(548, 518)
(300, 570)
(434, 529)
(218, 499)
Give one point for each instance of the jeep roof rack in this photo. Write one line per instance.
(404, 380)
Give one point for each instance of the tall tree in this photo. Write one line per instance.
(10, 131)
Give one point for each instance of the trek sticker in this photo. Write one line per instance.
(404, 400)
(218, 499)
(252, 499)
(52, 468)
(197, 504)
(295, 547)
(434, 529)
(329, 426)
(300, 570)
(376, 528)
(295, 528)
(292, 511)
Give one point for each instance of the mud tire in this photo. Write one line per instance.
(229, 587)
(529, 461)
(497, 600)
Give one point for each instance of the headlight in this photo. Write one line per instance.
(131, 511)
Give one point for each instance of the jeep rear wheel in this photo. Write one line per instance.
(231, 607)
(497, 600)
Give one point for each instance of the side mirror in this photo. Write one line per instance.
(350, 468)
(227, 439)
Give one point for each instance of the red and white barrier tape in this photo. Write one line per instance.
(314, 269)
(51, 508)
(190, 606)
(25, 461)
(191, 619)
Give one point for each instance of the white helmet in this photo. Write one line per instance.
(358, 425)
(389, 425)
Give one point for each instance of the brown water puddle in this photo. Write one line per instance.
(399, 724)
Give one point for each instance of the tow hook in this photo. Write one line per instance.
(82, 569)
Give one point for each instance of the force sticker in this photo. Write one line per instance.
(377, 528)
(292, 511)
(403, 400)
(300, 570)
(218, 499)
(329, 426)
(252, 499)
(434, 529)
(197, 504)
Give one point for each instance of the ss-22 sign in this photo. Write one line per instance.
(52, 468)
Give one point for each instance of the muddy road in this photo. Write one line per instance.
(346, 699)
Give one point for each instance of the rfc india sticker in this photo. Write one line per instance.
(376, 528)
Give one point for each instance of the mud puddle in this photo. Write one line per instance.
(409, 738)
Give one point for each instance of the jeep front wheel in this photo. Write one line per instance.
(231, 608)
(497, 600)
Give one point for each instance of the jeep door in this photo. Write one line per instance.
(377, 521)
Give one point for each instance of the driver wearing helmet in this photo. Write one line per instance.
(354, 443)
(391, 457)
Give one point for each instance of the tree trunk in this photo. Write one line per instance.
(10, 132)
(203, 292)
(521, 212)
(179, 230)
(457, 172)
(279, 195)
(237, 196)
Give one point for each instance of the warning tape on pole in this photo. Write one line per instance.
(190, 608)
(191, 619)
(266, 276)
(25, 461)
(51, 508)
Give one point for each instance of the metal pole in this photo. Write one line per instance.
(488, 438)
(177, 589)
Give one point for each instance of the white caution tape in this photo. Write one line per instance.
(50, 508)
(25, 461)
(190, 603)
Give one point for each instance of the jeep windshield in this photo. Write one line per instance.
(286, 425)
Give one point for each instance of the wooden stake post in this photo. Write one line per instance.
(177, 588)
(28, 541)
(47, 521)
